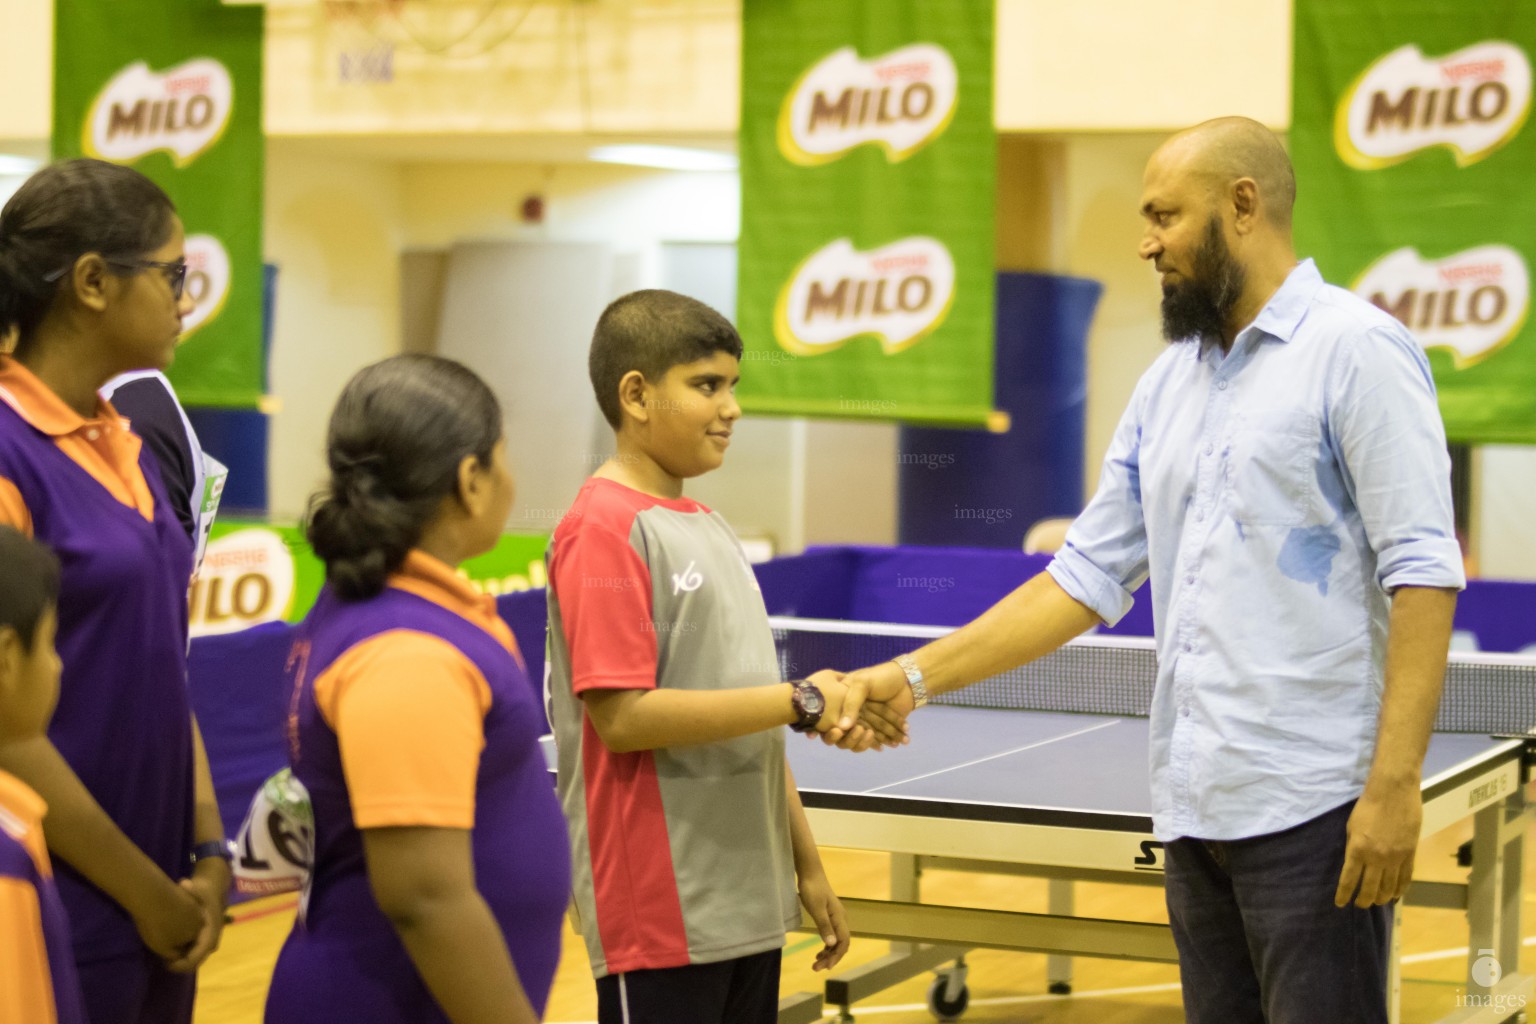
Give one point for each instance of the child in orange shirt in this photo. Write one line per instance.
(37, 967)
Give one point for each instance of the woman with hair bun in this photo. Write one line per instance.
(91, 286)
(441, 870)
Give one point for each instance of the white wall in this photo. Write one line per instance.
(773, 460)
(332, 227)
(26, 70)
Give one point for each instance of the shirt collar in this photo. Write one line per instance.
(38, 405)
(1281, 315)
(436, 580)
(1285, 310)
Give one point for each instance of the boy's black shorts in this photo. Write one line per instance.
(740, 991)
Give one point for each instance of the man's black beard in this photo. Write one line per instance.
(1198, 306)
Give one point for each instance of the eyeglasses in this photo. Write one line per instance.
(175, 272)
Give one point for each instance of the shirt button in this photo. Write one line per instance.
(1188, 648)
(1190, 579)
(1209, 449)
(1185, 712)
(1221, 385)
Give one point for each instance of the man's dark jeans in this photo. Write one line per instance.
(1260, 941)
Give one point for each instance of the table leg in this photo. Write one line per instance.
(1060, 902)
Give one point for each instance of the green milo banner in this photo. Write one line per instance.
(173, 89)
(1413, 161)
(256, 572)
(868, 173)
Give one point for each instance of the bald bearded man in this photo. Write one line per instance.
(1281, 474)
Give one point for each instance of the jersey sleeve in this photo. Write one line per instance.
(604, 590)
(408, 710)
(13, 508)
(26, 984)
(152, 409)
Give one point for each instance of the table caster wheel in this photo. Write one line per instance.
(942, 1005)
(1060, 988)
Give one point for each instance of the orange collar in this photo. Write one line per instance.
(38, 405)
(434, 580)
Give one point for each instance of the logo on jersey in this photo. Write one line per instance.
(1472, 102)
(182, 111)
(900, 293)
(900, 102)
(687, 581)
(1470, 303)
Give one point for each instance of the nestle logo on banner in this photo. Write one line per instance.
(183, 111)
(1471, 101)
(247, 578)
(899, 293)
(208, 280)
(1470, 303)
(901, 101)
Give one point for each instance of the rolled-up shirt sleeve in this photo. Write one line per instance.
(1386, 426)
(1104, 558)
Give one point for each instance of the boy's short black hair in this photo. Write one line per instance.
(652, 331)
(29, 583)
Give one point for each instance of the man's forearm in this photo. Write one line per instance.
(1032, 621)
(1418, 640)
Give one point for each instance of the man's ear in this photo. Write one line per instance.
(89, 279)
(633, 391)
(1245, 205)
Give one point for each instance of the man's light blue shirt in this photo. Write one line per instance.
(1276, 495)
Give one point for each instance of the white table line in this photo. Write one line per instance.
(993, 757)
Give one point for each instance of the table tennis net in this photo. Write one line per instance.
(1103, 675)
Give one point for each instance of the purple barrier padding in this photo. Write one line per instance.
(240, 698)
(1500, 613)
(816, 585)
(527, 614)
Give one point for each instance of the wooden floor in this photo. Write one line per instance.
(1003, 986)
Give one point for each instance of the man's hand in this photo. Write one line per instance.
(818, 899)
(1383, 835)
(874, 712)
(209, 885)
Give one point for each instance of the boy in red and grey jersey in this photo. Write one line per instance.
(688, 839)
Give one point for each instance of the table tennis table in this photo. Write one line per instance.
(1044, 774)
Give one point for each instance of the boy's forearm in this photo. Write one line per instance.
(631, 720)
(802, 842)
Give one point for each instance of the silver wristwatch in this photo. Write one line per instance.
(914, 679)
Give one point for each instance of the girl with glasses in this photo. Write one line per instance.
(91, 258)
